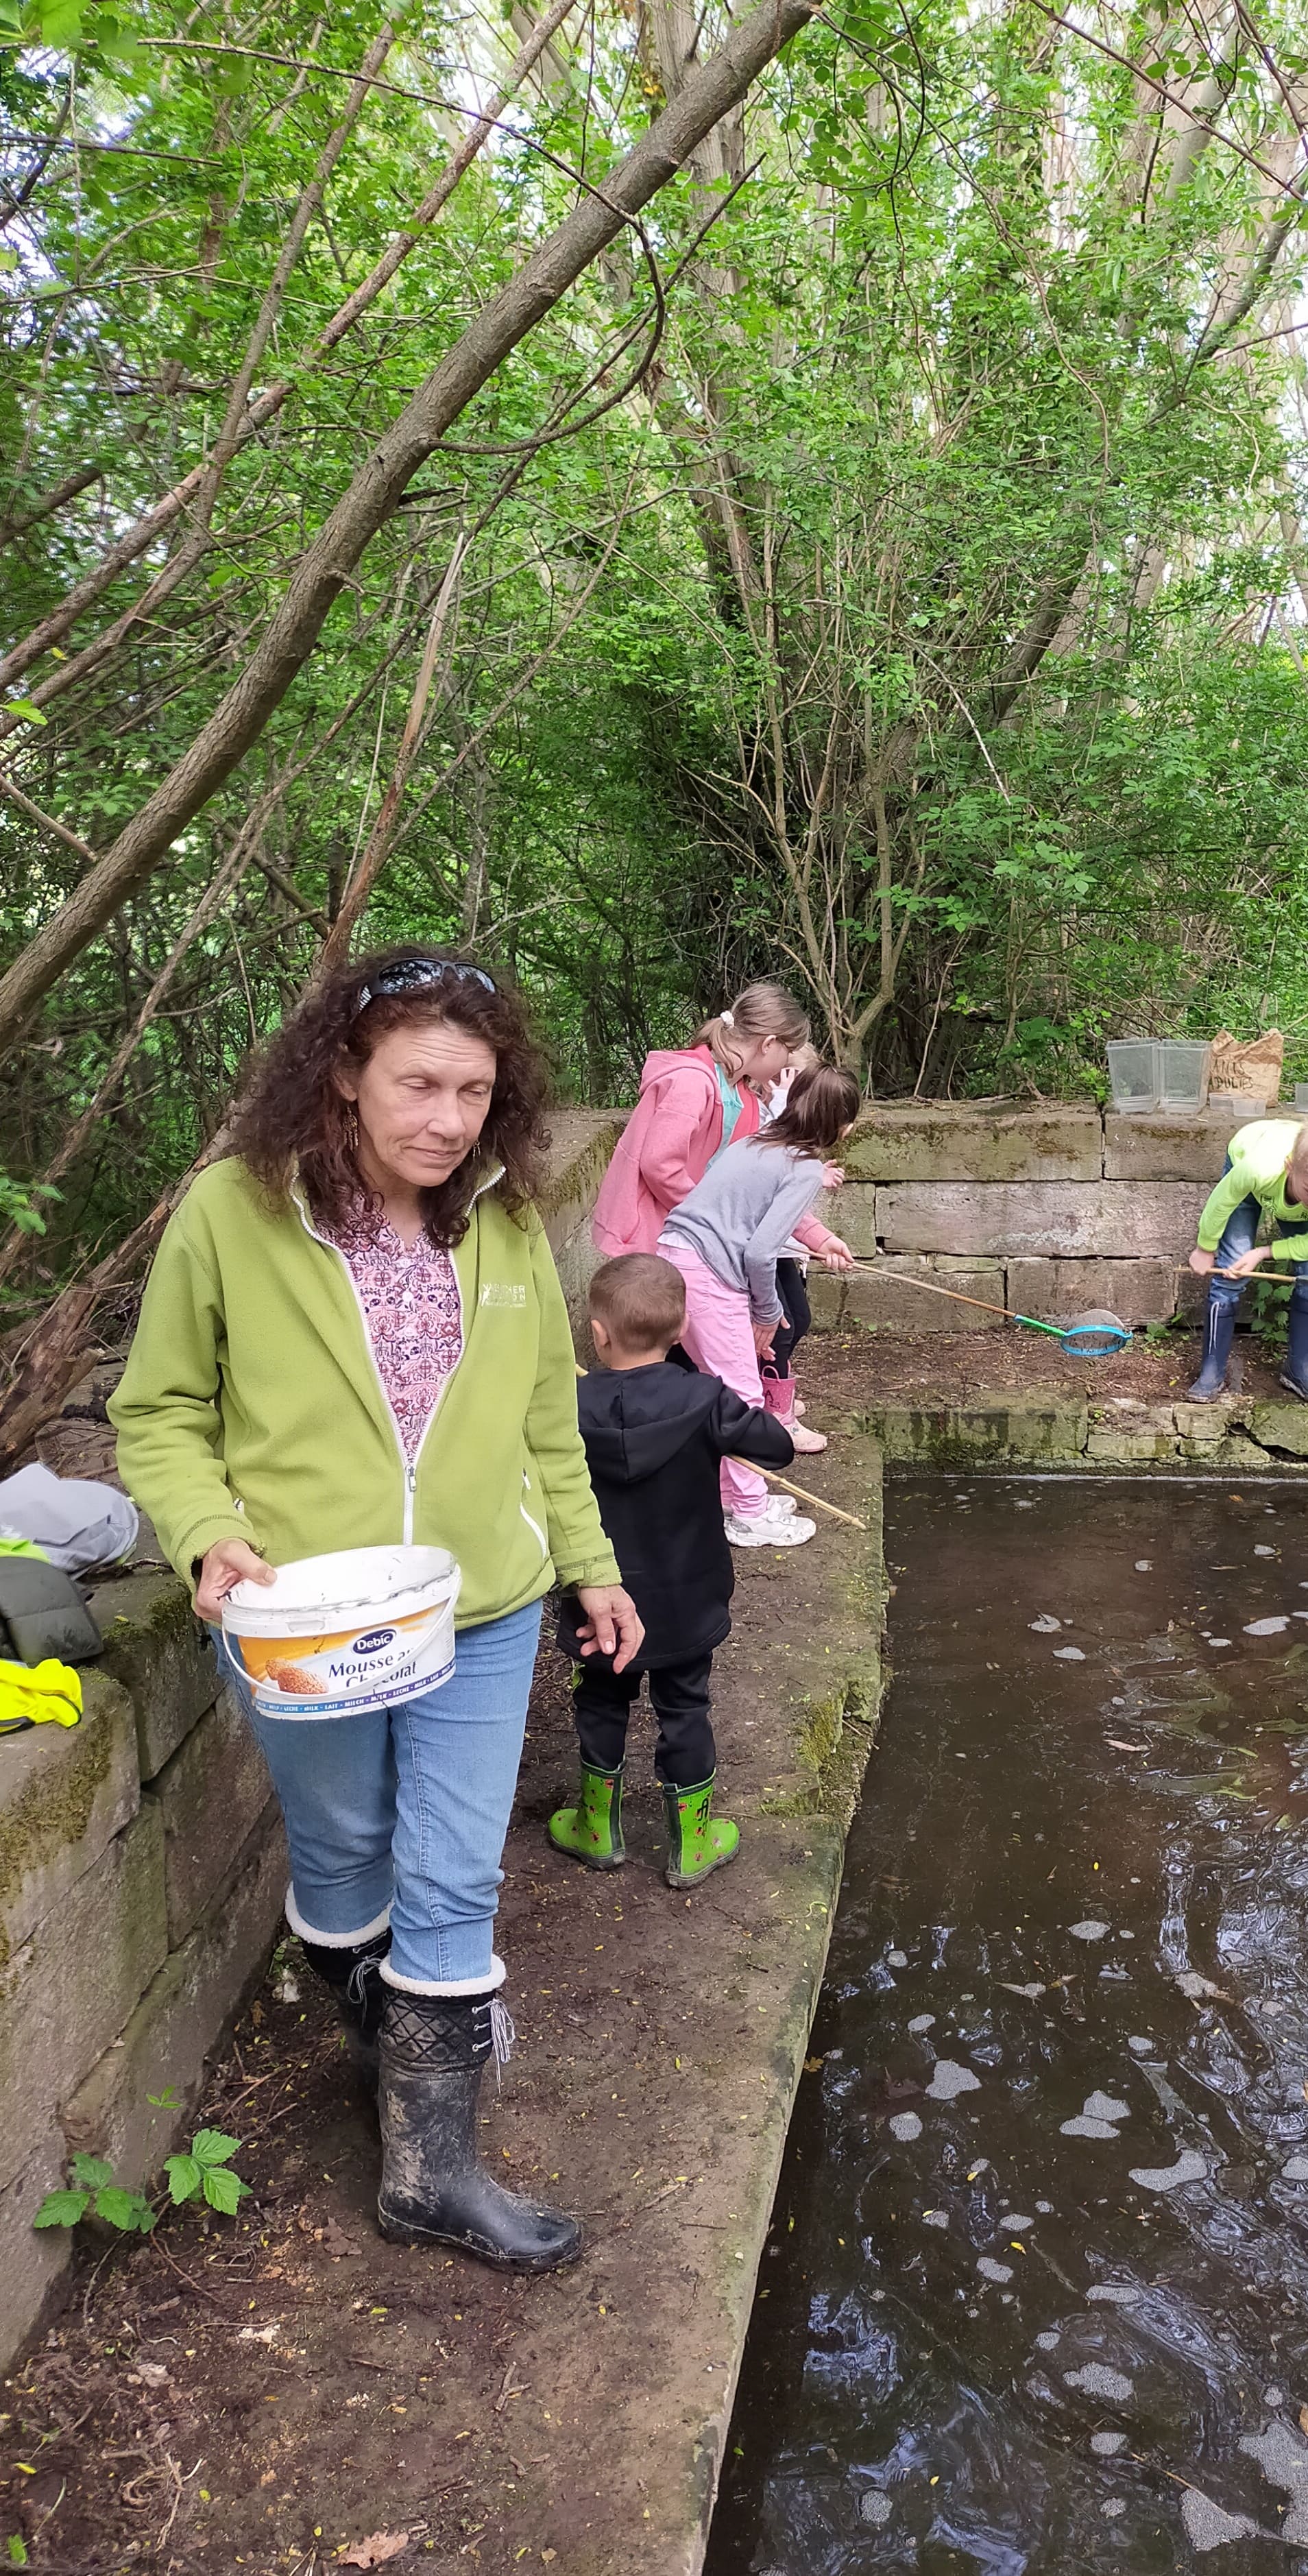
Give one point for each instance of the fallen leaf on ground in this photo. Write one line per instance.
(336, 2240)
(375, 2550)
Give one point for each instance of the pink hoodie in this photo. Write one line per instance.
(667, 1145)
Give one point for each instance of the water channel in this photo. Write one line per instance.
(1035, 2297)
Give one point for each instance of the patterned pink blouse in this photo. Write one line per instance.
(410, 1301)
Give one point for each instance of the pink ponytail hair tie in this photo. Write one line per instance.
(727, 1019)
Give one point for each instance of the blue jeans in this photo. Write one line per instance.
(1240, 1235)
(400, 1814)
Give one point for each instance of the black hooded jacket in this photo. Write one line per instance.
(654, 1439)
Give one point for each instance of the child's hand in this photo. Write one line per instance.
(764, 1336)
(833, 1176)
(1202, 1261)
(1248, 1262)
(837, 1255)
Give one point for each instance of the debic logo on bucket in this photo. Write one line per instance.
(373, 1643)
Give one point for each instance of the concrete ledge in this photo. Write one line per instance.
(1261, 1438)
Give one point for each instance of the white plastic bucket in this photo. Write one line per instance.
(336, 1635)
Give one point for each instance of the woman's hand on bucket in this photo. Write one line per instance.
(222, 1568)
(612, 1625)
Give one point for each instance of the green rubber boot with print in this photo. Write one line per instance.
(592, 1830)
(696, 1843)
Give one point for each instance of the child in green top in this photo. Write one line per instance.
(1264, 1181)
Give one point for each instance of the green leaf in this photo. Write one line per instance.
(25, 707)
(224, 2190)
(62, 2209)
(92, 2171)
(121, 2208)
(184, 2177)
(17, 2550)
(62, 24)
(213, 2147)
(165, 2101)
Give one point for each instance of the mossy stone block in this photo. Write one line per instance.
(1168, 1149)
(182, 2016)
(157, 1648)
(1140, 1292)
(1281, 1427)
(64, 1793)
(67, 1991)
(892, 1302)
(580, 1150)
(1110, 1441)
(32, 2260)
(210, 1795)
(1072, 1221)
(947, 1435)
(948, 1141)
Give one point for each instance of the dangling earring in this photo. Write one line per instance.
(351, 1131)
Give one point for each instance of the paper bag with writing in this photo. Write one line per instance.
(1251, 1072)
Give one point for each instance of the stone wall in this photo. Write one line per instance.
(143, 1870)
(1045, 1207)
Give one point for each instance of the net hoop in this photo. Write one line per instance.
(1096, 1335)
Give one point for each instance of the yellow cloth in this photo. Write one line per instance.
(33, 1693)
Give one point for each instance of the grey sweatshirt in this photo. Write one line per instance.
(743, 1212)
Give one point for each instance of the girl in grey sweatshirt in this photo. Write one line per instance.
(725, 1238)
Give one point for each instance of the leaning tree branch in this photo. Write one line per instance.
(377, 488)
(155, 521)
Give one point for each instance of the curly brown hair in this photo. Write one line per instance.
(292, 1121)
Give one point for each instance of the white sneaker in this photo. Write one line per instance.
(770, 1528)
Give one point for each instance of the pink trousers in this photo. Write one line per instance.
(720, 1339)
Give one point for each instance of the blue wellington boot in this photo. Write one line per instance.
(1294, 1375)
(1219, 1333)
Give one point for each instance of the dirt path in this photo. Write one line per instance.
(282, 2387)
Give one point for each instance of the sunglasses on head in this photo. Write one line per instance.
(409, 974)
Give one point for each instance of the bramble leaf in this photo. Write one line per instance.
(62, 2209)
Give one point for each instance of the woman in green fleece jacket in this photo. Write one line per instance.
(1264, 1183)
(353, 1334)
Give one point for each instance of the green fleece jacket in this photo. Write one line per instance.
(251, 1406)
(1258, 1157)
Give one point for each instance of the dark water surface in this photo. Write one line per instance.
(1036, 2294)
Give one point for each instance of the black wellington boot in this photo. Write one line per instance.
(354, 1977)
(1219, 1333)
(434, 2189)
(1294, 1375)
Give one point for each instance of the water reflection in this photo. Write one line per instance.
(1036, 2294)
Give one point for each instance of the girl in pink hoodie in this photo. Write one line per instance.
(693, 1101)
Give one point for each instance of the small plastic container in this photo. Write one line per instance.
(1133, 1073)
(337, 1635)
(1184, 1065)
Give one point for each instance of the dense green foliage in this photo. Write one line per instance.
(923, 624)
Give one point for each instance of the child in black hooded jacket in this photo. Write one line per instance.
(655, 1436)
